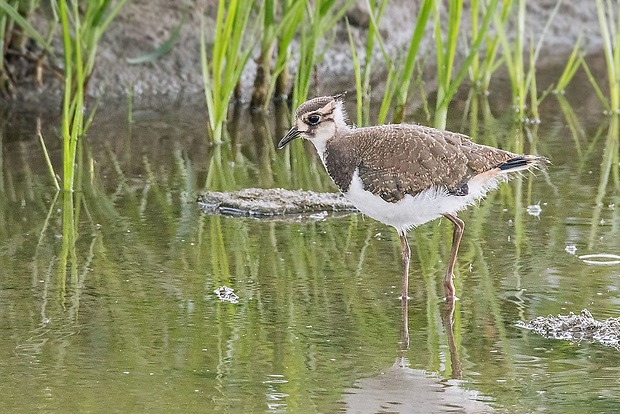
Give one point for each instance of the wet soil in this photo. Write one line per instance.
(143, 26)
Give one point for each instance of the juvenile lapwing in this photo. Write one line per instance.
(404, 175)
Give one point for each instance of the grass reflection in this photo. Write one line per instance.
(123, 275)
(609, 167)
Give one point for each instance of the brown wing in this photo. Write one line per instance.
(395, 160)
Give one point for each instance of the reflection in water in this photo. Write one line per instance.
(401, 388)
(448, 323)
(609, 167)
(447, 315)
(112, 287)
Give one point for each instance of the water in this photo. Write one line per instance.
(129, 321)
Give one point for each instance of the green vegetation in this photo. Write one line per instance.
(523, 82)
(610, 33)
(404, 79)
(320, 19)
(47, 156)
(14, 31)
(129, 263)
(446, 85)
(81, 32)
(137, 265)
(267, 29)
(81, 29)
(229, 55)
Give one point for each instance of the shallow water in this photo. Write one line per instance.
(128, 319)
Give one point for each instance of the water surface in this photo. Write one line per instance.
(118, 313)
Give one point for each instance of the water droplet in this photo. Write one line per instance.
(534, 210)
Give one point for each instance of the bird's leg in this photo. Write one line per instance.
(406, 254)
(459, 225)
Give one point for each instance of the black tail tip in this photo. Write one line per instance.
(524, 162)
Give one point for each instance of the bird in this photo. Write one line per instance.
(405, 175)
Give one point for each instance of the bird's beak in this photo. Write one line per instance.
(290, 135)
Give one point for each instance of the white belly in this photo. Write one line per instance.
(419, 209)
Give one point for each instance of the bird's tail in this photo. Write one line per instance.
(523, 162)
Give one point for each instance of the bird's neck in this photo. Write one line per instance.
(339, 129)
(321, 142)
(340, 117)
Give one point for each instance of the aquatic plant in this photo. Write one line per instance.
(392, 76)
(320, 19)
(399, 75)
(81, 32)
(82, 28)
(14, 30)
(263, 63)
(282, 33)
(513, 54)
(359, 93)
(483, 67)
(447, 86)
(280, 77)
(164, 48)
(610, 32)
(373, 30)
(404, 79)
(229, 56)
(609, 167)
(48, 161)
(572, 65)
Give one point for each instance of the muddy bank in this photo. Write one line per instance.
(577, 328)
(143, 26)
(274, 203)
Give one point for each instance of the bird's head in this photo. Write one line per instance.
(317, 120)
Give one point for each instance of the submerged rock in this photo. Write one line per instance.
(258, 202)
(577, 328)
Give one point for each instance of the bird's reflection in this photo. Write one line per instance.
(448, 323)
(409, 390)
(447, 318)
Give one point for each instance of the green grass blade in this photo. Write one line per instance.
(571, 67)
(454, 18)
(374, 23)
(541, 38)
(358, 75)
(412, 52)
(162, 49)
(206, 76)
(458, 79)
(23, 23)
(609, 57)
(598, 91)
(91, 116)
(388, 95)
(47, 157)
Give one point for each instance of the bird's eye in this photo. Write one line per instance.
(314, 119)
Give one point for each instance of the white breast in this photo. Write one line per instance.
(419, 209)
